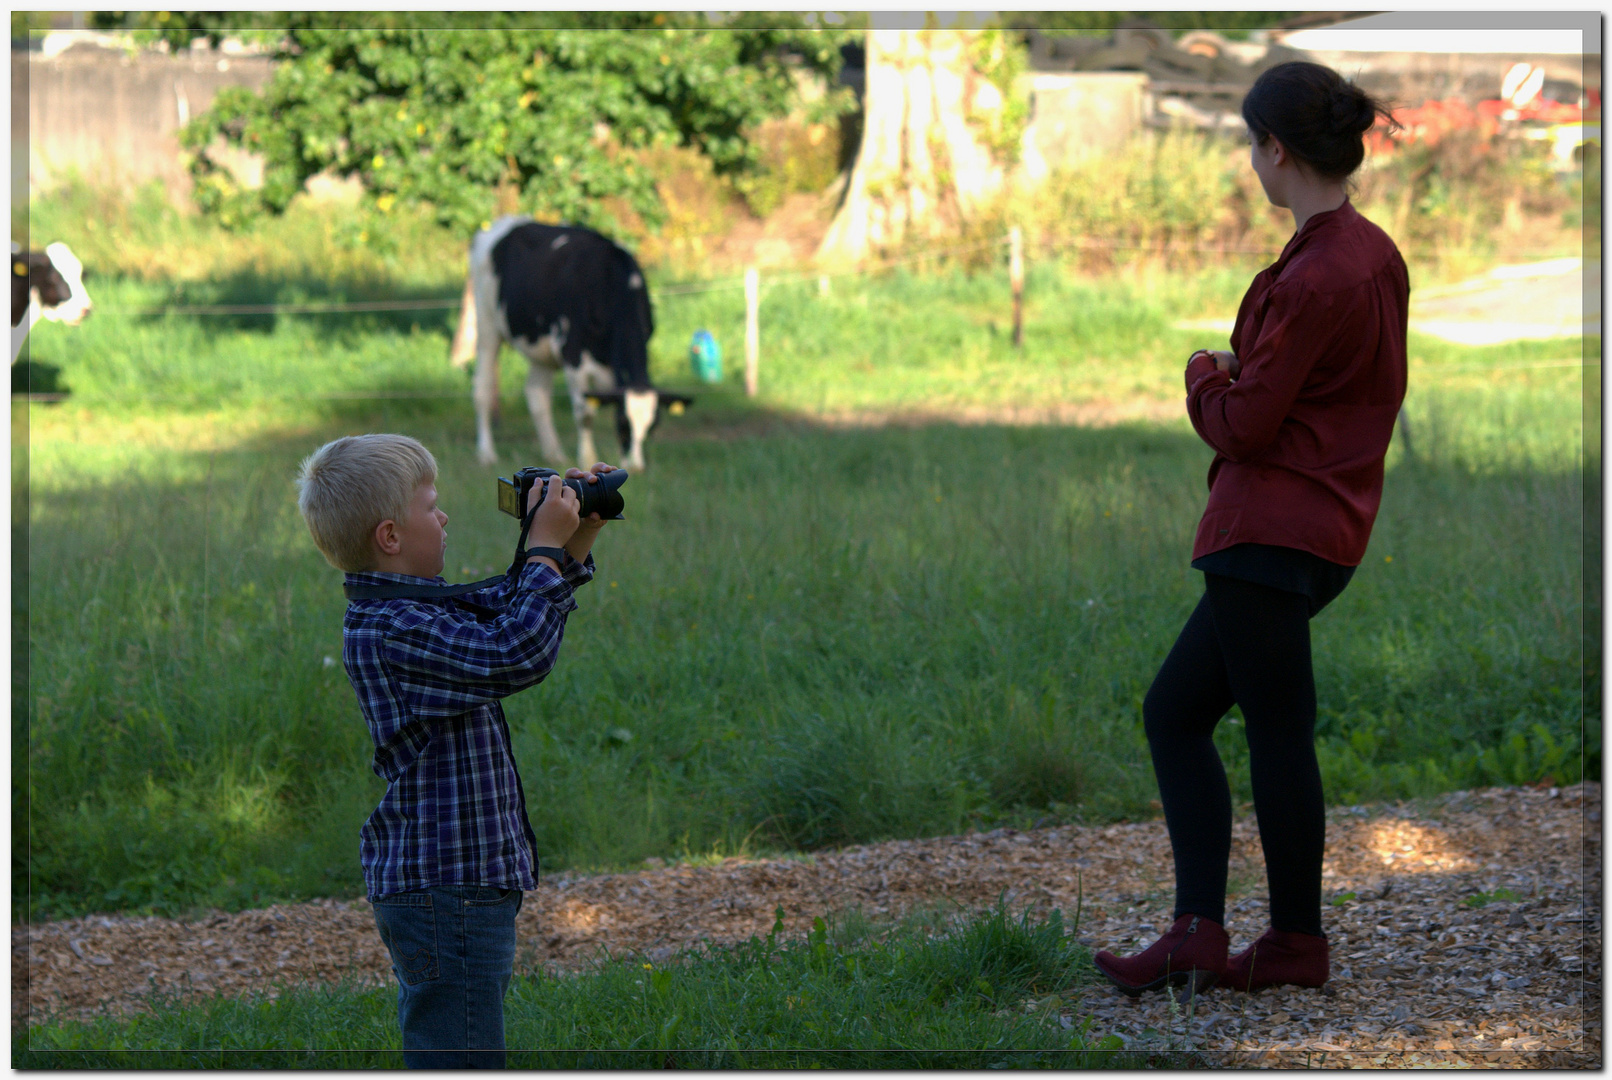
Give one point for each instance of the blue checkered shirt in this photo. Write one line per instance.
(429, 675)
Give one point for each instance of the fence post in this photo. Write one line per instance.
(752, 329)
(1016, 278)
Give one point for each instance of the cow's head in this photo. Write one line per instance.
(638, 412)
(59, 282)
(634, 323)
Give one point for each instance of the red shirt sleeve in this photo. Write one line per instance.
(1240, 419)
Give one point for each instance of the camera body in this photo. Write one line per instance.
(602, 497)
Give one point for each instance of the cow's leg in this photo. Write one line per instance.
(582, 410)
(484, 390)
(540, 402)
(463, 349)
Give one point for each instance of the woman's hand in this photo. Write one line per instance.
(1226, 361)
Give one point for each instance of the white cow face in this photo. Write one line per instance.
(72, 310)
(639, 406)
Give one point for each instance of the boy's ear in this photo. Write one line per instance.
(386, 539)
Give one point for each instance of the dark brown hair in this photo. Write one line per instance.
(1317, 114)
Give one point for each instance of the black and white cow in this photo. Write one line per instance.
(48, 284)
(568, 300)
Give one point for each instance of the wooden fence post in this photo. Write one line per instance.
(1016, 278)
(752, 329)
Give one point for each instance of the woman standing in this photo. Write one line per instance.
(1299, 414)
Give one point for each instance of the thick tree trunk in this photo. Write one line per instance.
(922, 169)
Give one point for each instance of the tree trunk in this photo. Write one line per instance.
(922, 169)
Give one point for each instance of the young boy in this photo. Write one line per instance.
(449, 850)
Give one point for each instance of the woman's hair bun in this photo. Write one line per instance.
(1320, 117)
(1353, 110)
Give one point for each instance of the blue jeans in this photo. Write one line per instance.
(453, 951)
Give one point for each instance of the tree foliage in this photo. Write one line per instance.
(479, 113)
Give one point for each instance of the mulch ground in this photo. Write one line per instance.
(1465, 931)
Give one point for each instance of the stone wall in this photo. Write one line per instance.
(1077, 115)
(113, 116)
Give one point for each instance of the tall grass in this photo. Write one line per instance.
(1187, 198)
(1178, 198)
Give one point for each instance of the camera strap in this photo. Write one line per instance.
(448, 592)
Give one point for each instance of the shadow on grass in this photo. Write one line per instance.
(33, 377)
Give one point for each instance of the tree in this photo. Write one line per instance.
(480, 113)
(941, 130)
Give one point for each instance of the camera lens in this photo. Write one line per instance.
(602, 497)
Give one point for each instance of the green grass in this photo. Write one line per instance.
(983, 991)
(803, 635)
(833, 615)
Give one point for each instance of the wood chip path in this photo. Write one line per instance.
(1472, 938)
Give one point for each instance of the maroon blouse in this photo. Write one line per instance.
(1300, 436)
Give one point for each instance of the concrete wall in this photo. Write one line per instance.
(19, 145)
(1077, 115)
(114, 117)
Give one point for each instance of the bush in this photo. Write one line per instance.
(1185, 198)
(795, 156)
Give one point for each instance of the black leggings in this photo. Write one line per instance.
(1248, 645)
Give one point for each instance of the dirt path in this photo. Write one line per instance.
(1423, 973)
(1551, 299)
(1557, 298)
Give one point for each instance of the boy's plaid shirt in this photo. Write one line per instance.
(429, 675)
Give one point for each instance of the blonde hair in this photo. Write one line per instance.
(348, 487)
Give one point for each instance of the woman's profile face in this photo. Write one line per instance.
(1262, 156)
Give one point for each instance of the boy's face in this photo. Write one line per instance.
(423, 534)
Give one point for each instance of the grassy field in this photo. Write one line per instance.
(832, 615)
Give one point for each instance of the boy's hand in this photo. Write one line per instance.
(592, 521)
(556, 520)
(581, 541)
(1226, 361)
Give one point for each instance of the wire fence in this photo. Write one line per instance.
(682, 289)
(751, 281)
(335, 307)
(734, 283)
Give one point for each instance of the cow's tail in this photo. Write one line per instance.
(463, 351)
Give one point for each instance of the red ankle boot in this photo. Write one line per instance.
(1192, 953)
(1279, 957)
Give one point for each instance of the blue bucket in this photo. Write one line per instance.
(705, 357)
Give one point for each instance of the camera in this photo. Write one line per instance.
(602, 497)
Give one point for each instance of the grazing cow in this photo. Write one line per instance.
(48, 284)
(568, 300)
